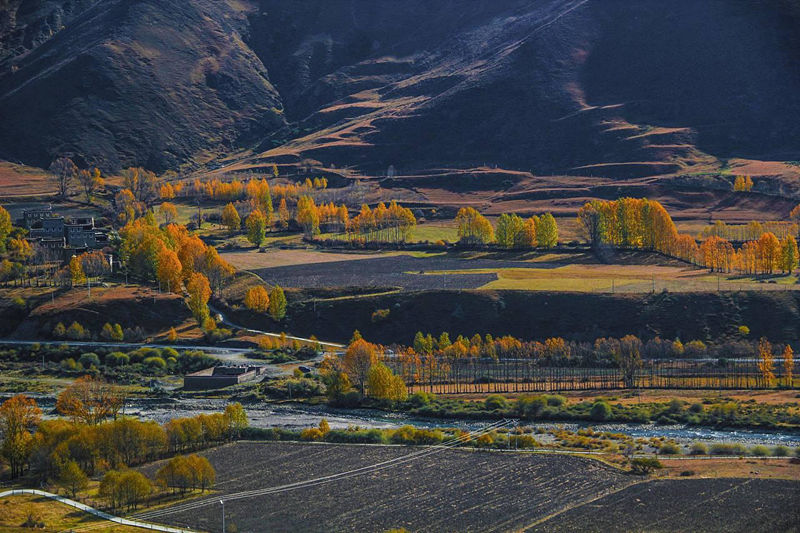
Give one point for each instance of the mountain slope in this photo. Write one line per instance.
(596, 88)
(151, 82)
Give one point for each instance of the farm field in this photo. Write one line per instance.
(449, 490)
(533, 272)
(20, 180)
(735, 505)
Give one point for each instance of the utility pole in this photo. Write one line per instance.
(222, 503)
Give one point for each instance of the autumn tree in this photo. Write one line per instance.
(277, 303)
(90, 401)
(788, 365)
(5, 228)
(357, 361)
(169, 270)
(384, 385)
(63, 172)
(199, 292)
(230, 218)
(76, 274)
(473, 227)
(629, 358)
(590, 221)
(141, 182)
(125, 489)
(308, 216)
(18, 415)
(257, 299)
(256, 227)
(126, 206)
(509, 226)
(547, 231)
(168, 212)
(789, 254)
(236, 419)
(71, 478)
(90, 182)
(766, 364)
(769, 252)
(283, 214)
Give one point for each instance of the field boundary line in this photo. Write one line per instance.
(569, 507)
(95, 512)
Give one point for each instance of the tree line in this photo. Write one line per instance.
(645, 224)
(511, 231)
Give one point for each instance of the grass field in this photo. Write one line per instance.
(532, 271)
(21, 180)
(14, 511)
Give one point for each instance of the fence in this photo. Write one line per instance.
(471, 375)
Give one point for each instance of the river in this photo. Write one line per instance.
(297, 416)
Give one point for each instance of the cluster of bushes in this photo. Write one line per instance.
(109, 332)
(554, 407)
(408, 435)
(116, 365)
(293, 388)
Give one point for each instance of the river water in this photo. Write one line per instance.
(296, 416)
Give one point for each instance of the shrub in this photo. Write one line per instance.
(76, 332)
(759, 451)
(70, 365)
(496, 402)
(531, 406)
(380, 315)
(600, 411)
(669, 448)
(485, 440)
(523, 441)
(420, 399)
(696, 408)
(155, 364)
(89, 359)
(645, 465)
(311, 434)
(698, 448)
(780, 451)
(554, 400)
(59, 332)
(722, 448)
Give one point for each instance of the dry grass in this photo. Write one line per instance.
(21, 180)
(14, 511)
(766, 468)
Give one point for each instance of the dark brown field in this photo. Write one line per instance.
(461, 490)
(451, 490)
(730, 505)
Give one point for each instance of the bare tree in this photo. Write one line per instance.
(64, 172)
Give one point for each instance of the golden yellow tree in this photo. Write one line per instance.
(257, 299)
(766, 364)
(199, 292)
(18, 415)
(169, 212)
(788, 365)
(283, 214)
(357, 361)
(169, 270)
(231, 218)
(76, 273)
(90, 400)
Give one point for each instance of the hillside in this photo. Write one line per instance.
(453, 99)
